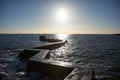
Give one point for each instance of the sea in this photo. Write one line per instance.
(99, 51)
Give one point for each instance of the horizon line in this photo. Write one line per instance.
(59, 33)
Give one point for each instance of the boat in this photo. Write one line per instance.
(44, 39)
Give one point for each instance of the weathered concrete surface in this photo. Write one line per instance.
(51, 46)
(85, 73)
(53, 69)
(43, 54)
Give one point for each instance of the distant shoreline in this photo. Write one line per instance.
(116, 34)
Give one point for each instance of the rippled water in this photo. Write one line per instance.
(101, 52)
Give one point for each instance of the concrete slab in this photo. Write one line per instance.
(85, 73)
(43, 54)
(51, 46)
(53, 69)
(26, 54)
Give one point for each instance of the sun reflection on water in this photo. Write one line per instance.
(62, 36)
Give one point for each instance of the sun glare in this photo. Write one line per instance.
(62, 36)
(62, 15)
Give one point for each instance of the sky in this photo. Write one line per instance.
(60, 16)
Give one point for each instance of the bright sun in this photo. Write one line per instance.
(62, 15)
